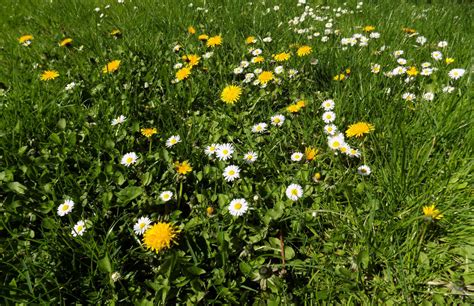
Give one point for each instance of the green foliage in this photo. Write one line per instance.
(349, 240)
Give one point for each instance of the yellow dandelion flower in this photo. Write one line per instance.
(25, 39)
(304, 50)
(210, 210)
(359, 129)
(301, 103)
(115, 33)
(432, 213)
(159, 236)
(250, 40)
(231, 94)
(369, 28)
(203, 37)
(183, 168)
(65, 42)
(265, 77)
(281, 57)
(339, 77)
(293, 108)
(111, 66)
(214, 41)
(310, 153)
(191, 30)
(192, 59)
(148, 132)
(258, 59)
(49, 75)
(449, 60)
(412, 71)
(409, 30)
(183, 73)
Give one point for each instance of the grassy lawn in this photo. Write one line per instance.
(236, 152)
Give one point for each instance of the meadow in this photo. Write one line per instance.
(236, 152)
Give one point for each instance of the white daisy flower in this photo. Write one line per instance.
(129, 159)
(329, 117)
(258, 71)
(173, 140)
(374, 35)
(249, 77)
(294, 192)
(425, 65)
(399, 70)
(231, 173)
(292, 73)
(279, 69)
(259, 128)
(336, 142)
(364, 170)
(70, 86)
(398, 53)
(328, 105)
(421, 40)
(244, 64)
(178, 66)
(79, 228)
(436, 55)
(142, 225)
(119, 120)
(238, 70)
(277, 120)
(408, 96)
(330, 129)
(354, 153)
(238, 207)
(250, 157)
(224, 151)
(375, 68)
(211, 150)
(165, 196)
(442, 44)
(345, 148)
(297, 156)
(208, 55)
(448, 89)
(65, 208)
(456, 73)
(256, 52)
(401, 61)
(429, 96)
(426, 71)
(267, 39)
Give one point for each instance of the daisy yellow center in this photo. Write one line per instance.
(159, 236)
(238, 206)
(231, 172)
(294, 192)
(65, 207)
(129, 160)
(79, 228)
(142, 225)
(166, 196)
(173, 141)
(276, 120)
(336, 144)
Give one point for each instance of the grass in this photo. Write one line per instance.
(350, 239)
